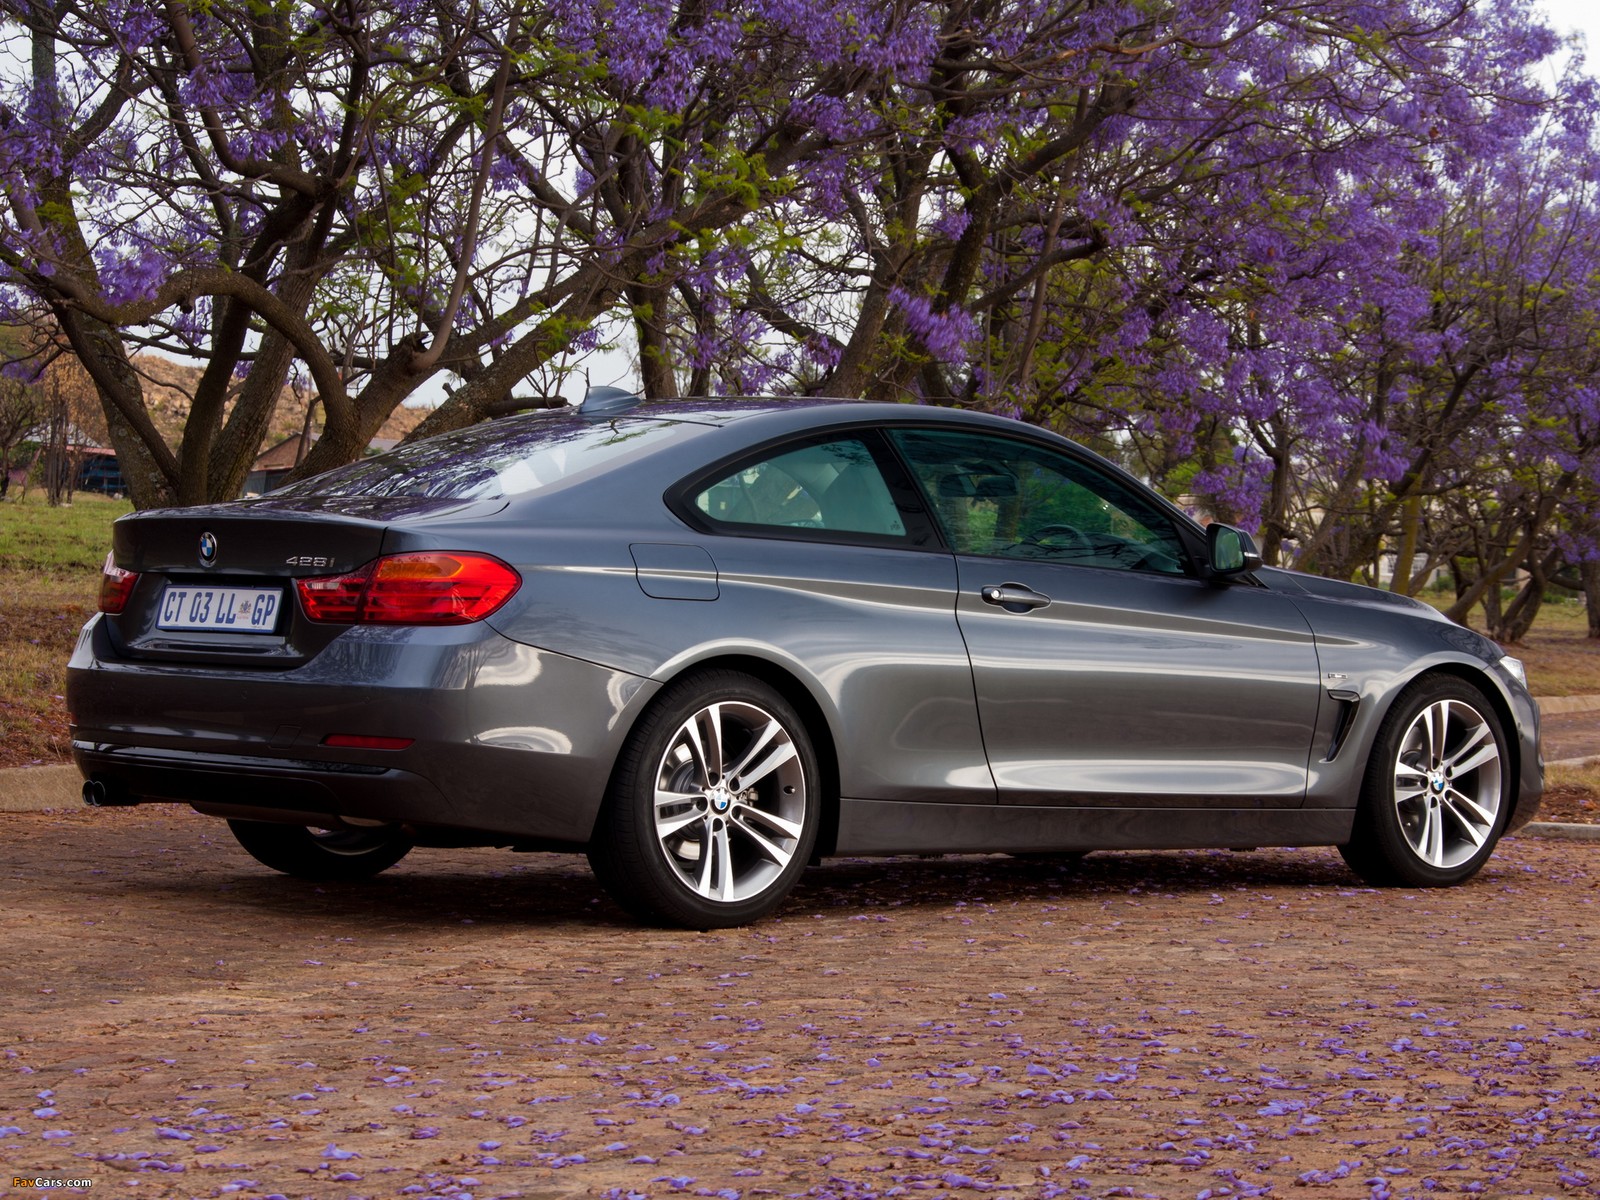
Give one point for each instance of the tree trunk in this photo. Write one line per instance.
(235, 449)
(1518, 617)
(27, 476)
(1276, 523)
(56, 449)
(306, 427)
(1489, 597)
(1406, 555)
(858, 366)
(147, 463)
(656, 375)
(1589, 571)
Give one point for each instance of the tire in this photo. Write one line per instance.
(1436, 794)
(682, 840)
(323, 855)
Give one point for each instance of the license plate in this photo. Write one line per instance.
(232, 610)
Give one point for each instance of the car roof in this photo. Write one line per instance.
(723, 410)
(805, 411)
(685, 435)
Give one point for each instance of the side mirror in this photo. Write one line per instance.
(1231, 551)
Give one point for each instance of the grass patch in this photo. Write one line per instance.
(70, 538)
(1586, 778)
(1561, 658)
(50, 561)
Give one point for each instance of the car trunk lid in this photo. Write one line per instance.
(216, 583)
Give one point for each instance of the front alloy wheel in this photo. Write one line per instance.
(714, 811)
(1447, 783)
(1435, 798)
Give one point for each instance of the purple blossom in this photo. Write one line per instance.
(944, 333)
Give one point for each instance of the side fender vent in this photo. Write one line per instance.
(1348, 702)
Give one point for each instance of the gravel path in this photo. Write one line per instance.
(177, 1021)
(1570, 735)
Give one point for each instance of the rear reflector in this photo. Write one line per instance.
(116, 585)
(362, 741)
(423, 588)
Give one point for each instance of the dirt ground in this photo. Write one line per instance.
(1569, 735)
(177, 1021)
(1570, 805)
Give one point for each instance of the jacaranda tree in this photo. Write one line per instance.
(382, 193)
(1319, 264)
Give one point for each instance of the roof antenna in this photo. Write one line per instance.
(605, 401)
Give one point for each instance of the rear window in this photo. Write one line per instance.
(500, 458)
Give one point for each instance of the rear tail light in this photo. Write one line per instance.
(116, 585)
(334, 597)
(425, 588)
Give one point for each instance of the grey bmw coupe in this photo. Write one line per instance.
(708, 643)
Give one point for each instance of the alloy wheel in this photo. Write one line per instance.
(730, 801)
(1447, 783)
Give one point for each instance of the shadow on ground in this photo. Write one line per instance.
(442, 888)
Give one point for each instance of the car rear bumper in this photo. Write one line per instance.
(282, 789)
(506, 739)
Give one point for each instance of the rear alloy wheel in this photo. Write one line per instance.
(322, 854)
(714, 806)
(1435, 796)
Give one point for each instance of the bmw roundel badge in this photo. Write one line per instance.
(208, 548)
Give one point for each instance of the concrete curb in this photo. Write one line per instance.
(1553, 705)
(1552, 829)
(38, 789)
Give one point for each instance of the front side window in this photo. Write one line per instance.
(1003, 498)
(835, 486)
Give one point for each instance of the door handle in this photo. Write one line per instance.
(1013, 597)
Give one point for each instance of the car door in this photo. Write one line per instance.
(827, 561)
(1107, 670)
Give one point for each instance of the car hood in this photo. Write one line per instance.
(1349, 593)
(1296, 583)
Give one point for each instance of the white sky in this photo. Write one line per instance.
(1580, 16)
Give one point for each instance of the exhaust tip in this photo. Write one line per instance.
(97, 793)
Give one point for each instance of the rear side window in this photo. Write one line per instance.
(835, 486)
(500, 458)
